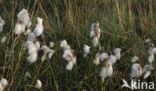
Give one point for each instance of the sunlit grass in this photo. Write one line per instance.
(124, 24)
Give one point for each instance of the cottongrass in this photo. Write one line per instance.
(95, 34)
(96, 59)
(86, 50)
(134, 59)
(2, 23)
(47, 51)
(51, 44)
(3, 84)
(39, 27)
(32, 51)
(3, 39)
(38, 84)
(103, 56)
(136, 71)
(68, 55)
(107, 71)
(109, 61)
(147, 70)
(23, 22)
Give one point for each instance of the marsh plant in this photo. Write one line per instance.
(77, 44)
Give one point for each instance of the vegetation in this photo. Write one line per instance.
(124, 24)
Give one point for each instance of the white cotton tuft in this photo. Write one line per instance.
(147, 40)
(31, 47)
(145, 68)
(38, 84)
(136, 70)
(151, 58)
(18, 28)
(39, 27)
(92, 26)
(96, 59)
(92, 33)
(147, 74)
(107, 71)
(28, 24)
(64, 45)
(51, 53)
(110, 70)
(1, 87)
(67, 55)
(45, 49)
(152, 51)
(3, 39)
(37, 44)
(43, 58)
(117, 53)
(95, 41)
(112, 59)
(134, 59)
(4, 82)
(103, 56)
(69, 65)
(23, 21)
(23, 16)
(98, 33)
(74, 60)
(32, 50)
(2, 23)
(51, 44)
(32, 57)
(86, 50)
(103, 73)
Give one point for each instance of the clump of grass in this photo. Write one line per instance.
(124, 24)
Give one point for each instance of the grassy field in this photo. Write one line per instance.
(124, 24)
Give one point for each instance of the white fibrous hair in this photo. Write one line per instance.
(23, 22)
(2, 23)
(3, 84)
(147, 70)
(86, 50)
(68, 55)
(136, 70)
(32, 51)
(95, 34)
(64, 45)
(107, 71)
(39, 27)
(134, 59)
(112, 59)
(95, 41)
(117, 53)
(51, 44)
(47, 50)
(37, 44)
(71, 63)
(103, 56)
(96, 59)
(3, 39)
(38, 84)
